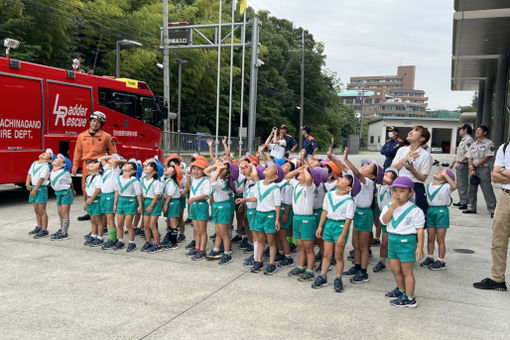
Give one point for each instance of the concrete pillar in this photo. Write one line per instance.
(453, 142)
(487, 102)
(479, 110)
(429, 143)
(500, 105)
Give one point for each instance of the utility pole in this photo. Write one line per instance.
(302, 99)
(252, 113)
(218, 37)
(179, 92)
(243, 38)
(231, 73)
(166, 61)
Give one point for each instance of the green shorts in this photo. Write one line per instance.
(333, 229)
(236, 196)
(94, 209)
(41, 196)
(174, 208)
(304, 227)
(127, 205)
(64, 197)
(199, 210)
(251, 215)
(107, 201)
(182, 204)
(363, 219)
(156, 211)
(317, 214)
(377, 211)
(287, 225)
(438, 217)
(402, 247)
(222, 212)
(264, 222)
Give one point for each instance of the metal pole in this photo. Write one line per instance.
(500, 100)
(302, 96)
(243, 38)
(216, 142)
(253, 84)
(180, 61)
(361, 117)
(231, 75)
(117, 59)
(166, 63)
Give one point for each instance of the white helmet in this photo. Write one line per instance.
(99, 116)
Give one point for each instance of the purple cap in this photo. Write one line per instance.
(280, 173)
(260, 171)
(450, 174)
(403, 182)
(319, 175)
(365, 162)
(356, 186)
(234, 175)
(380, 174)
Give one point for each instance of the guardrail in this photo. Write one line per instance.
(197, 143)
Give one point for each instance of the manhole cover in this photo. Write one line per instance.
(464, 251)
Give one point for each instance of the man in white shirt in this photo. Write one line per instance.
(501, 227)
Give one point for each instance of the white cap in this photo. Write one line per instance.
(50, 151)
(60, 156)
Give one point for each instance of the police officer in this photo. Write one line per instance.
(390, 148)
(309, 143)
(479, 155)
(461, 165)
(91, 145)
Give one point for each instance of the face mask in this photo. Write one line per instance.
(390, 134)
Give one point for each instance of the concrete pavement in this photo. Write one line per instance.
(66, 290)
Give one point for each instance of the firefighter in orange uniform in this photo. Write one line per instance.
(91, 145)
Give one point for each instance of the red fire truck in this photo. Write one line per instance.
(45, 107)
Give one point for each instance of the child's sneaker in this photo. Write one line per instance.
(318, 257)
(338, 285)
(226, 258)
(248, 249)
(166, 239)
(279, 257)
(286, 262)
(376, 242)
(306, 276)
(181, 238)
(296, 272)
(270, 269)
(88, 241)
(191, 252)
(320, 281)
(379, 266)
(108, 245)
(212, 237)
(154, 249)
(257, 266)
(86, 237)
(170, 246)
(213, 255)
(236, 238)
(249, 262)
(244, 243)
(351, 271)
(395, 293)
(118, 245)
(96, 242)
(139, 232)
(427, 262)
(62, 237)
(131, 247)
(41, 234)
(55, 235)
(293, 247)
(404, 302)
(199, 256)
(188, 221)
(34, 231)
(360, 277)
(190, 245)
(146, 246)
(438, 265)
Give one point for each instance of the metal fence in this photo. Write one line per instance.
(197, 143)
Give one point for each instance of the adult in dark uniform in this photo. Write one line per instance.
(390, 148)
(461, 165)
(309, 143)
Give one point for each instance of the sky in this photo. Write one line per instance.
(374, 37)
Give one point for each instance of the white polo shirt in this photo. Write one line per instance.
(302, 198)
(171, 189)
(318, 196)
(60, 180)
(239, 184)
(365, 197)
(438, 195)
(339, 207)
(151, 187)
(249, 191)
(38, 171)
(200, 186)
(285, 192)
(92, 182)
(128, 187)
(330, 186)
(404, 225)
(220, 190)
(268, 196)
(503, 159)
(422, 164)
(384, 195)
(108, 179)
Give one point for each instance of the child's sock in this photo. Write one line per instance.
(402, 290)
(99, 237)
(131, 241)
(440, 260)
(430, 256)
(410, 297)
(228, 252)
(216, 249)
(173, 236)
(281, 252)
(64, 225)
(113, 234)
(93, 235)
(357, 267)
(255, 250)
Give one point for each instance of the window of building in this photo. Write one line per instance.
(378, 139)
(371, 139)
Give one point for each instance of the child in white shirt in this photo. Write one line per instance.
(62, 184)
